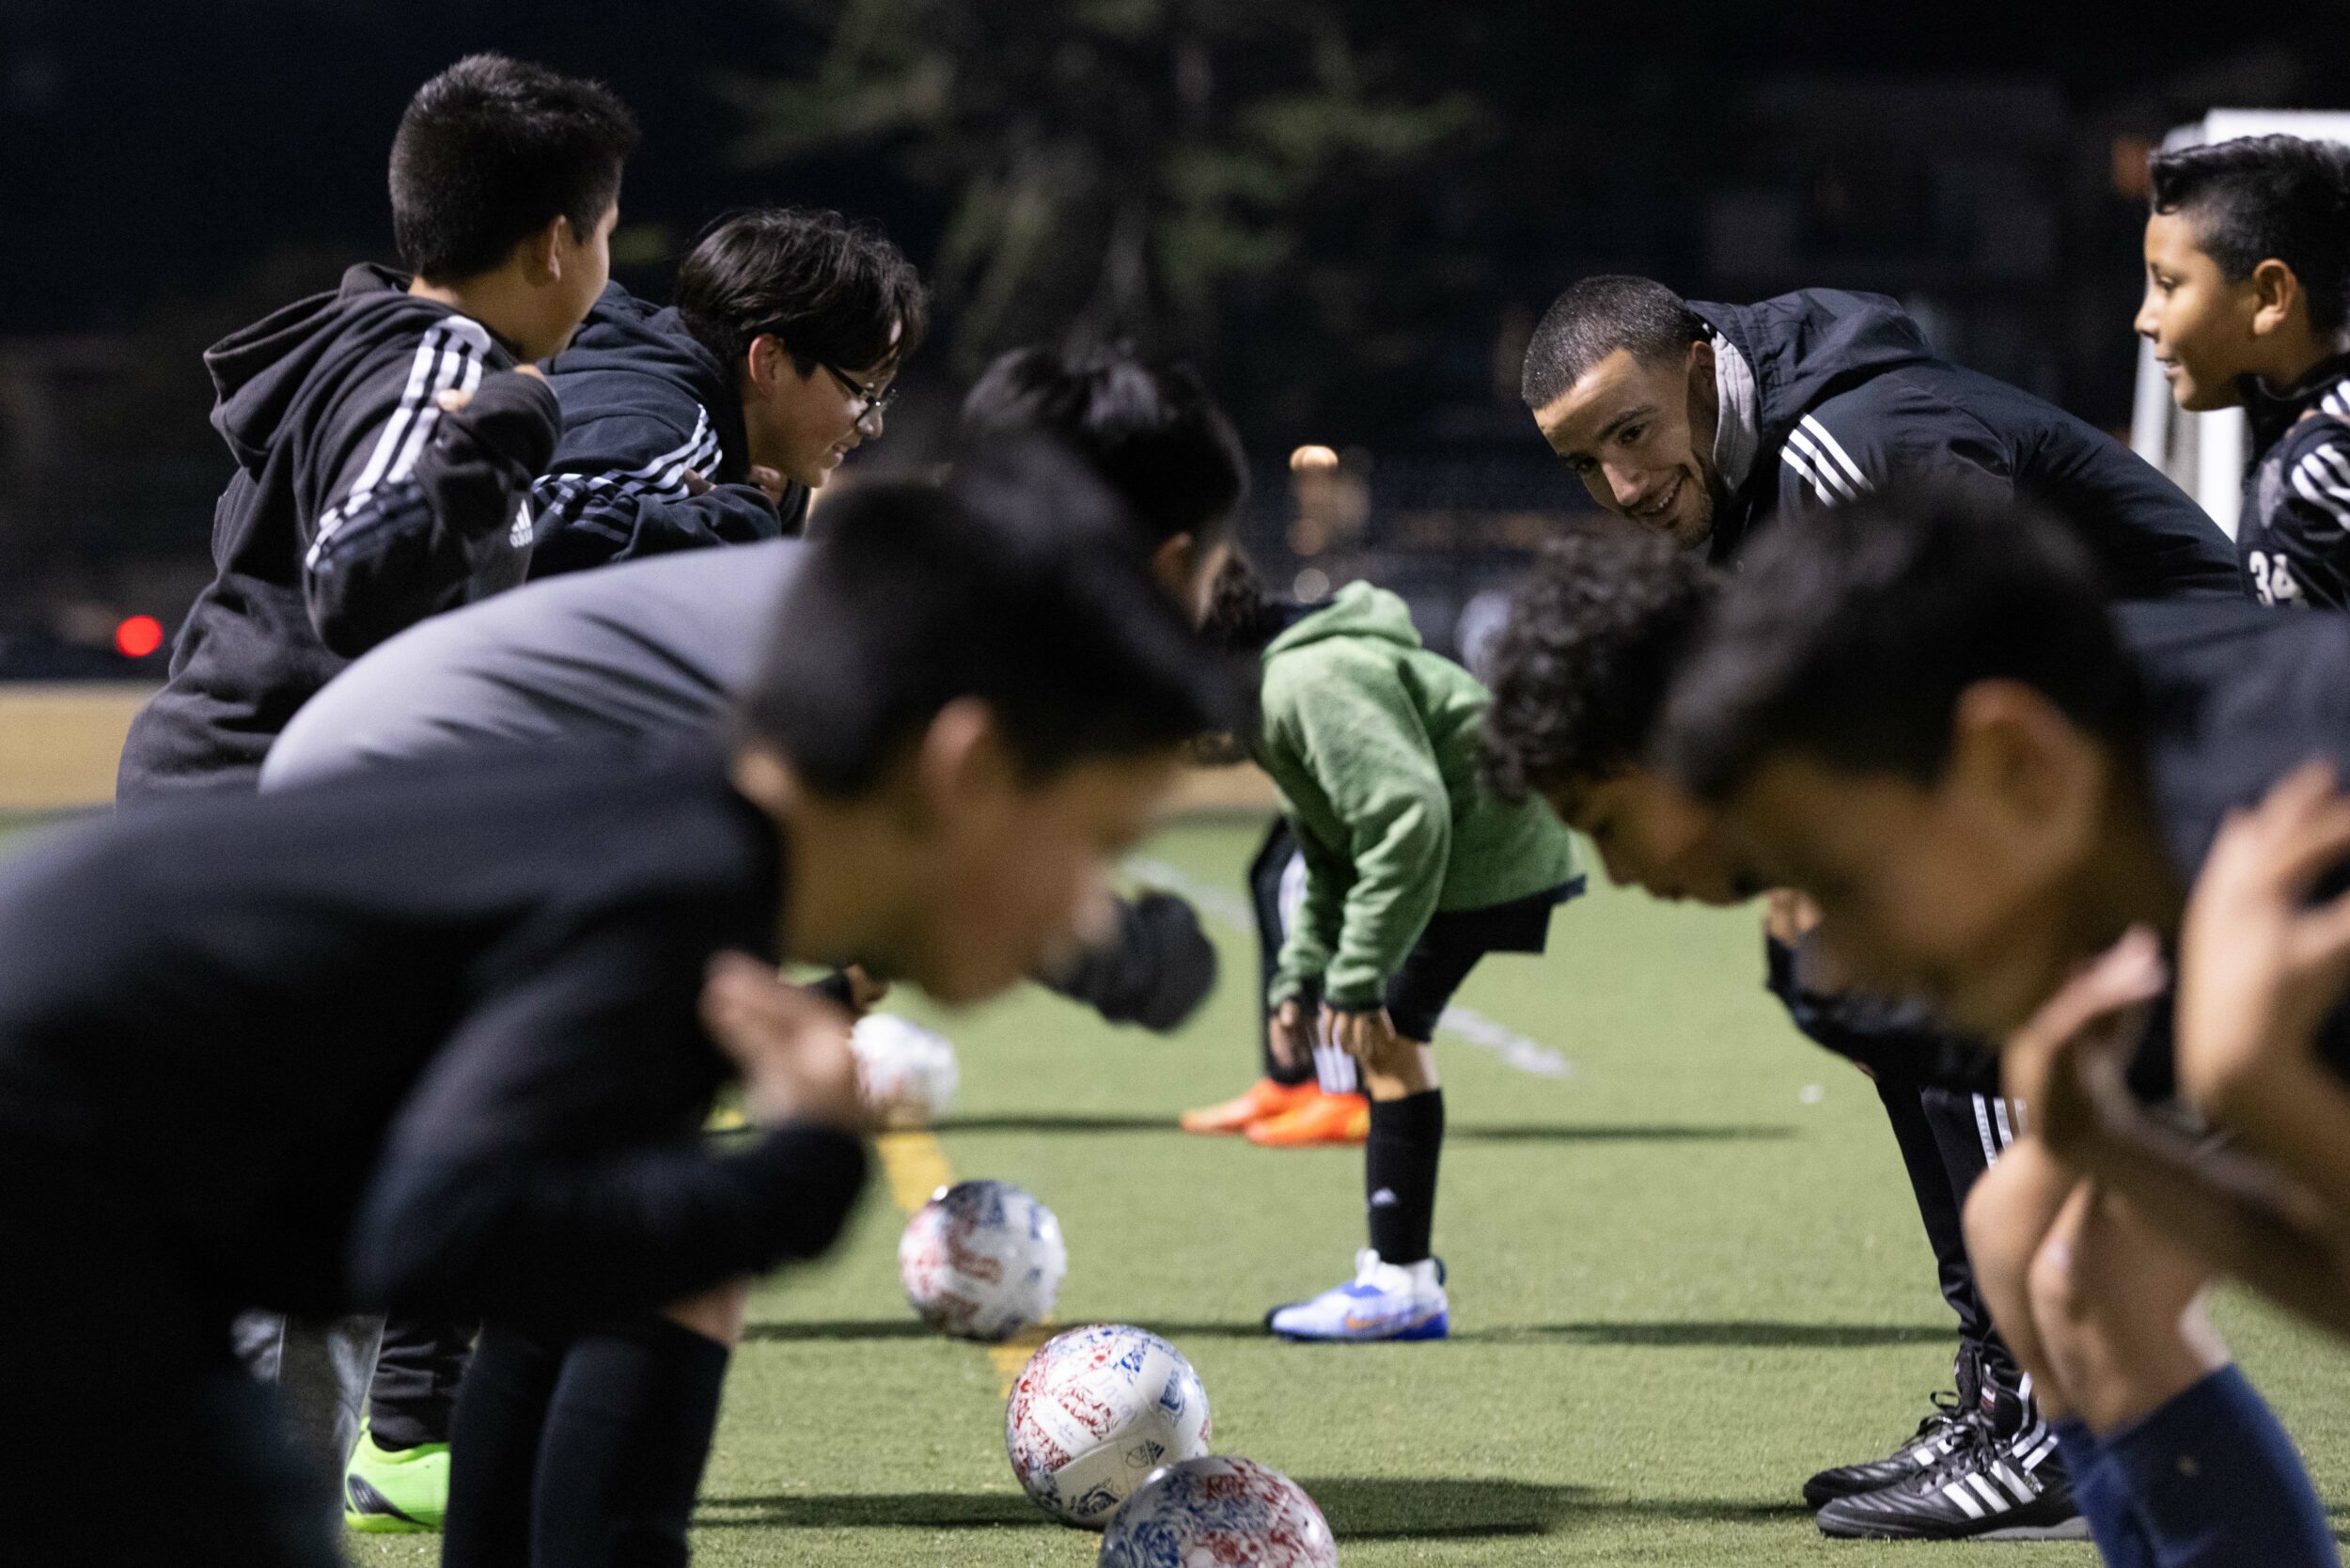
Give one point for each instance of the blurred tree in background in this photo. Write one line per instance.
(1136, 168)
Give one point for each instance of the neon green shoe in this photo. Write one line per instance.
(402, 1492)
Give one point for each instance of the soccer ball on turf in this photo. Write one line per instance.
(983, 1260)
(1095, 1411)
(1219, 1513)
(906, 1073)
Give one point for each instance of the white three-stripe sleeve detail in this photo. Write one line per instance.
(1998, 1114)
(663, 477)
(1835, 449)
(447, 360)
(2331, 468)
(1820, 464)
(421, 373)
(2310, 483)
(1794, 460)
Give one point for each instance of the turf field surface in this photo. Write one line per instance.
(1685, 1273)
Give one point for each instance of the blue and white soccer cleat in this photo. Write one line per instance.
(1385, 1301)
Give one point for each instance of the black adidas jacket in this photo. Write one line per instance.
(645, 403)
(1849, 395)
(358, 507)
(2293, 532)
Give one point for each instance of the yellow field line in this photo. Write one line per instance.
(915, 1164)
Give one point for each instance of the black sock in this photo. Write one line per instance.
(493, 1445)
(1399, 1174)
(627, 1435)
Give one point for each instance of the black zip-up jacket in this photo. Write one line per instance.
(1850, 397)
(2293, 534)
(644, 404)
(428, 1040)
(358, 507)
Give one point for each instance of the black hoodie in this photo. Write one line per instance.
(2293, 532)
(358, 507)
(1848, 396)
(644, 404)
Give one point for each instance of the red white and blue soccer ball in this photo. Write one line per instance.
(1095, 1411)
(907, 1073)
(983, 1260)
(1219, 1513)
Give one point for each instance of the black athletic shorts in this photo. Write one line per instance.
(1422, 985)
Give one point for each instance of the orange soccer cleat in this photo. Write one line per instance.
(1324, 1118)
(1262, 1099)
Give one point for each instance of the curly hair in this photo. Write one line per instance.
(1581, 669)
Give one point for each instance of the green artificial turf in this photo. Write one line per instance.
(1683, 1276)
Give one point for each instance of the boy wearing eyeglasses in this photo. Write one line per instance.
(710, 420)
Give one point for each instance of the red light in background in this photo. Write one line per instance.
(138, 637)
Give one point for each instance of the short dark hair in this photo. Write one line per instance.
(1151, 430)
(832, 290)
(1017, 583)
(490, 151)
(1849, 635)
(2261, 198)
(1596, 317)
(1581, 668)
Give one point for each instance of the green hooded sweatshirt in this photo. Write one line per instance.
(1373, 741)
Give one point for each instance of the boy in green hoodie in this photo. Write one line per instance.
(1414, 872)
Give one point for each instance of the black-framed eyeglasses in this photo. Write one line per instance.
(871, 400)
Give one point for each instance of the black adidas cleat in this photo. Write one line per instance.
(1935, 1437)
(1983, 1490)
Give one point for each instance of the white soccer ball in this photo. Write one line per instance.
(906, 1073)
(1095, 1411)
(1219, 1513)
(983, 1260)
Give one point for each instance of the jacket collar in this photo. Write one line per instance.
(2271, 412)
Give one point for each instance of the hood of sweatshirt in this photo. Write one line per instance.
(1809, 345)
(625, 338)
(261, 372)
(1359, 610)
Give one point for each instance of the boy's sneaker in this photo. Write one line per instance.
(1259, 1100)
(1325, 1118)
(1983, 1490)
(1385, 1301)
(396, 1491)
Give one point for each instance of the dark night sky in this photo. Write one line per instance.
(152, 146)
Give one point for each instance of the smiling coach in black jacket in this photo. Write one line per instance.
(1706, 421)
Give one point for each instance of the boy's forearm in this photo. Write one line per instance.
(2296, 1113)
(2236, 1213)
